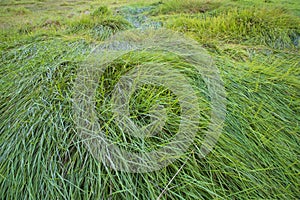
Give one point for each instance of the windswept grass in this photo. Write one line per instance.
(256, 157)
(268, 27)
(94, 26)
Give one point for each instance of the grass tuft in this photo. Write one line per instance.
(99, 24)
(187, 6)
(270, 27)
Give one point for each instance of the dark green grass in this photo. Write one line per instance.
(256, 157)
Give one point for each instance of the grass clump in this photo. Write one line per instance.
(102, 10)
(44, 71)
(188, 6)
(99, 24)
(271, 27)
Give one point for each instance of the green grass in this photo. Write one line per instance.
(257, 26)
(255, 49)
(189, 6)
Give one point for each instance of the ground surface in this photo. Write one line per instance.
(255, 46)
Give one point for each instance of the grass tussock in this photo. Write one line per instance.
(271, 27)
(101, 23)
(188, 6)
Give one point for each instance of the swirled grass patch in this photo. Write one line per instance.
(146, 98)
(157, 71)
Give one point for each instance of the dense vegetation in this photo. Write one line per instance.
(255, 46)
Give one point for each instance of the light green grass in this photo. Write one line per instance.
(255, 26)
(257, 155)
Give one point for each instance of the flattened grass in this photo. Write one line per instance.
(257, 156)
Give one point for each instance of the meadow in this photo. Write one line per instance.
(253, 43)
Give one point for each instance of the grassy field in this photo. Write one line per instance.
(253, 43)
